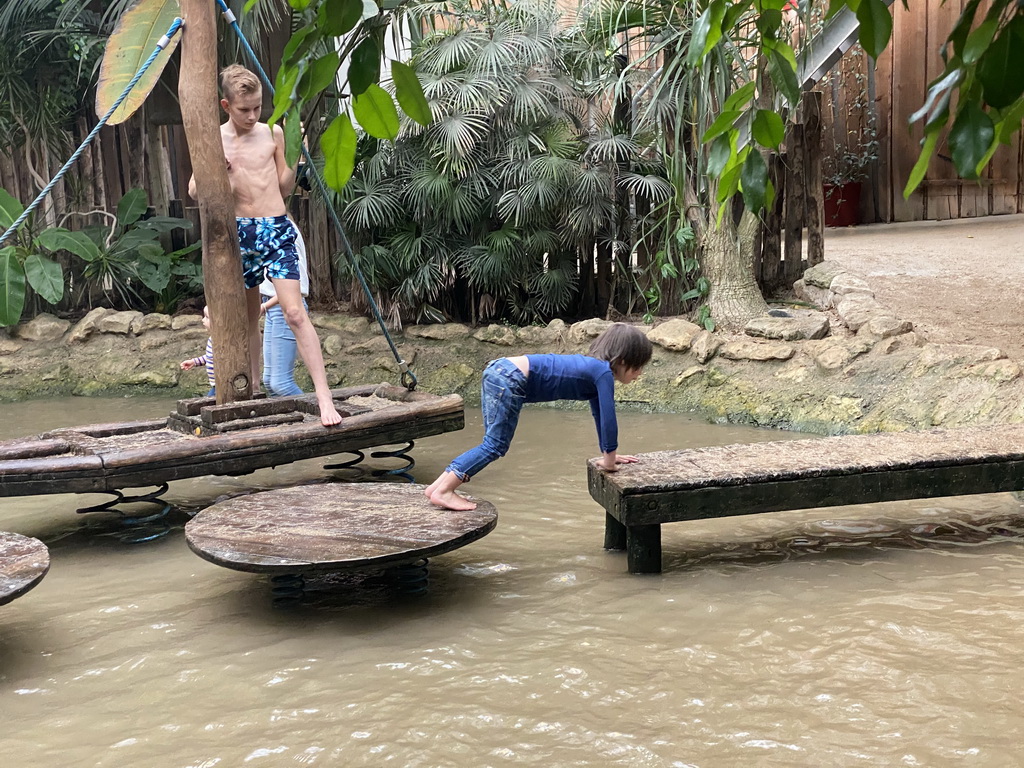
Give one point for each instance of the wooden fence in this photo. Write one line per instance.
(865, 103)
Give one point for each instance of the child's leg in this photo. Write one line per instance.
(290, 298)
(502, 395)
(279, 351)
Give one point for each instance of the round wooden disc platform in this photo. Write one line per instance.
(23, 563)
(332, 527)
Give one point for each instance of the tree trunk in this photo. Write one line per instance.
(222, 262)
(727, 261)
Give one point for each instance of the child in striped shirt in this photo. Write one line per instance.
(206, 359)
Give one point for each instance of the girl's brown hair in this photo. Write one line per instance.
(624, 344)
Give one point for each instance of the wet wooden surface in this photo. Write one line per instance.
(23, 563)
(104, 457)
(724, 481)
(332, 527)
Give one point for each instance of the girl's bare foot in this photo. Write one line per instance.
(451, 500)
(329, 415)
(429, 490)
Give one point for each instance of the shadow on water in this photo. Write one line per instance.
(842, 536)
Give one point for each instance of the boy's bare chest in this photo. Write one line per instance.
(249, 153)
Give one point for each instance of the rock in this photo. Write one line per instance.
(847, 283)
(153, 379)
(693, 370)
(705, 346)
(332, 345)
(583, 331)
(122, 323)
(676, 335)
(42, 327)
(856, 309)
(343, 324)
(952, 355)
(830, 354)
(438, 332)
(534, 335)
(157, 339)
(896, 343)
(181, 322)
(820, 297)
(87, 325)
(999, 371)
(155, 322)
(813, 325)
(821, 275)
(883, 326)
(375, 345)
(501, 335)
(9, 347)
(558, 326)
(756, 350)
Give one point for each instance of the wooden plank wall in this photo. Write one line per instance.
(897, 86)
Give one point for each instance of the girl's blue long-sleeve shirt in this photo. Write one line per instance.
(577, 377)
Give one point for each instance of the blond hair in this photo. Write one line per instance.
(236, 80)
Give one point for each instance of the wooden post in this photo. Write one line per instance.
(222, 261)
(643, 548)
(614, 533)
(814, 194)
(792, 254)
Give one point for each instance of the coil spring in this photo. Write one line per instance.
(161, 527)
(399, 453)
(288, 589)
(359, 456)
(412, 577)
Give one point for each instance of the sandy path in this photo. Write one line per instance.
(957, 281)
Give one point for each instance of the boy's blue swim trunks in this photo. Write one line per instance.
(267, 244)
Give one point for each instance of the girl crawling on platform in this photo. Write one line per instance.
(619, 354)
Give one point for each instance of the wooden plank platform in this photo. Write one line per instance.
(670, 486)
(202, 438)
(23, 563)
(332, 527)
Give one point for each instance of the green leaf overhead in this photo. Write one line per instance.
(409, 93)
(339, 147)
(133, 40)
(376, 113)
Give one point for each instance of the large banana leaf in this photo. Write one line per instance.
(133, 40)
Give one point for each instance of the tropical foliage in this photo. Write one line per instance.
(121, 262)
(516, 201)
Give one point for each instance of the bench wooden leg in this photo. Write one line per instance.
(614, 533)
(643, 548)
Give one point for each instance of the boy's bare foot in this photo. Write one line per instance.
(451, 500)
(329, 415)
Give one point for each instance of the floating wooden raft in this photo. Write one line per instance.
(202, 438)
(331, 528)
(23, 563)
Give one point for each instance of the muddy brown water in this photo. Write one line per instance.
(882, 635)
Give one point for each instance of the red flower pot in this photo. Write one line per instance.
(842, 204)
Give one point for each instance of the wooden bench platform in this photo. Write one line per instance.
(671, 486)
(23, 563)
(331, 528)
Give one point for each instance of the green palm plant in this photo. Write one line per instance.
(491, 210)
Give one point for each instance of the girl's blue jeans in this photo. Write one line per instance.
(279, 351)
(502, 396)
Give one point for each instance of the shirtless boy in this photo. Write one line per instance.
(260, 179)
